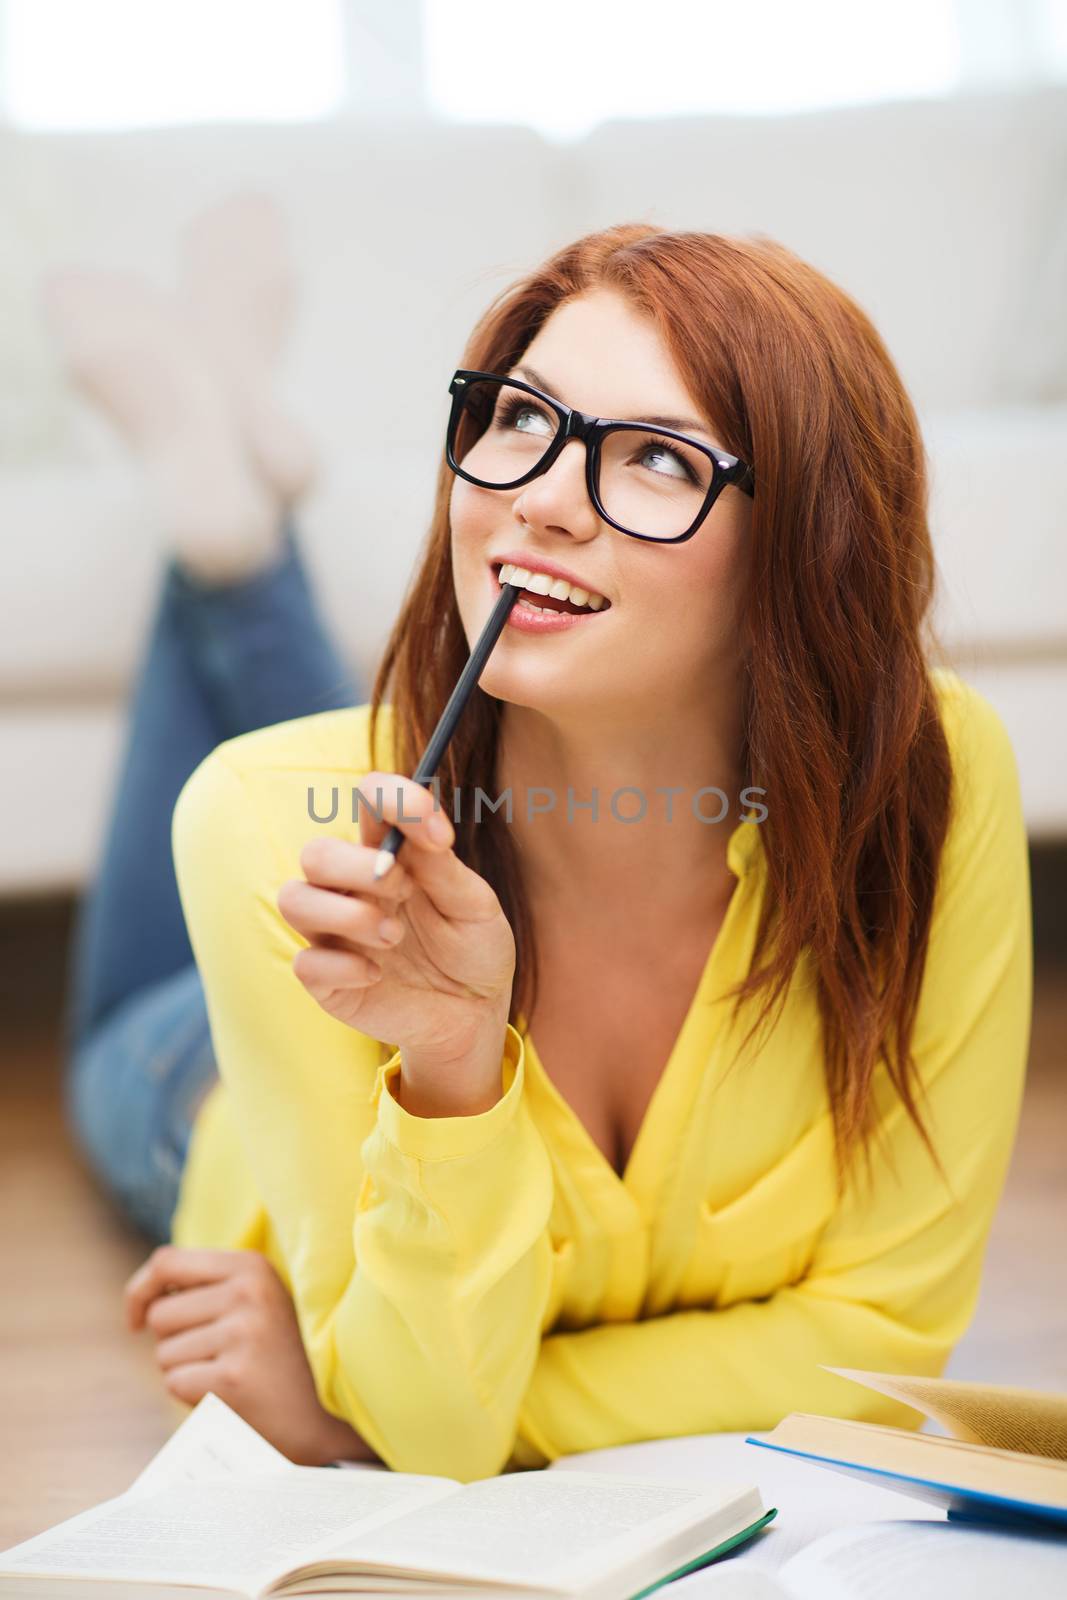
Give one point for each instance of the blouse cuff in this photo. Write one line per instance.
(449, 1138)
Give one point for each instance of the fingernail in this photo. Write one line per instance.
(440, 828)
(390, 929)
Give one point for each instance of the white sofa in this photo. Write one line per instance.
(946, 219)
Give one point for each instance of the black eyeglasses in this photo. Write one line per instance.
(503, 432)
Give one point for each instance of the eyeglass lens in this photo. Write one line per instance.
(648, 482)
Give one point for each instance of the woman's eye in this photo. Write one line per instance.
(532, 415)
(676, 466)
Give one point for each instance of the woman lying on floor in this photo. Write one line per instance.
(614, 1114)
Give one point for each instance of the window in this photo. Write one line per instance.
(559, 66)
(132, 63)
(563, 67)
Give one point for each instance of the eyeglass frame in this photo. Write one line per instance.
(726, 469)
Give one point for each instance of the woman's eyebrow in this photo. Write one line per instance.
(680, 424)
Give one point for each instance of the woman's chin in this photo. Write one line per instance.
(534, 687)
(513, 688)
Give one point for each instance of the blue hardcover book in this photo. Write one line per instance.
(1007, 1461)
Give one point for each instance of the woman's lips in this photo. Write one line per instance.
(525, 620)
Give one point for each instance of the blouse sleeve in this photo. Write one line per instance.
(416, 1249)
(894, 1275)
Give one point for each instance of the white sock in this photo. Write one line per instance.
(129, 349)
(238, 289)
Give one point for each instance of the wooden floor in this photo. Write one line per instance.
(82, 1409)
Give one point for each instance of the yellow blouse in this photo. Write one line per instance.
(483, 1293)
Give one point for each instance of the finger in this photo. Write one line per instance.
(187, 1308)
(171, 1266)
(455, 890)
(323, 971)
(320, 913)
(387, 799)
(195, 1344)
(193, 1381)
(347, 868)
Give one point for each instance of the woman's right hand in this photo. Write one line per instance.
(441, 990)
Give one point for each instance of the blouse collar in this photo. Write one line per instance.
(744, 848)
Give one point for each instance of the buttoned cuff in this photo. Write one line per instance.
(449, 1138)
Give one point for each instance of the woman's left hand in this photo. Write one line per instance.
(224, 1322)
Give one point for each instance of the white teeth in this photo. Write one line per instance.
(541, 583)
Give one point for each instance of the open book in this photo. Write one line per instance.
(1006, 1459)
(888, 1560)
(220, 1512)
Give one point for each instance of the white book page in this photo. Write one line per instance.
(730, 1582)
(523, 1526)
(807, 1507)
(925, 1561)
(212, 1442)
(921, 1560)
(239, 1532)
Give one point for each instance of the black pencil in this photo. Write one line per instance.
(446, 726)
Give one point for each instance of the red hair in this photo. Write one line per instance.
(840, 719)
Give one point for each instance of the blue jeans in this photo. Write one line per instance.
(220, 660)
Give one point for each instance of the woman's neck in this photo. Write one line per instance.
(575, 857)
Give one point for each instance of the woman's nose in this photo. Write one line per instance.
(559, 497)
